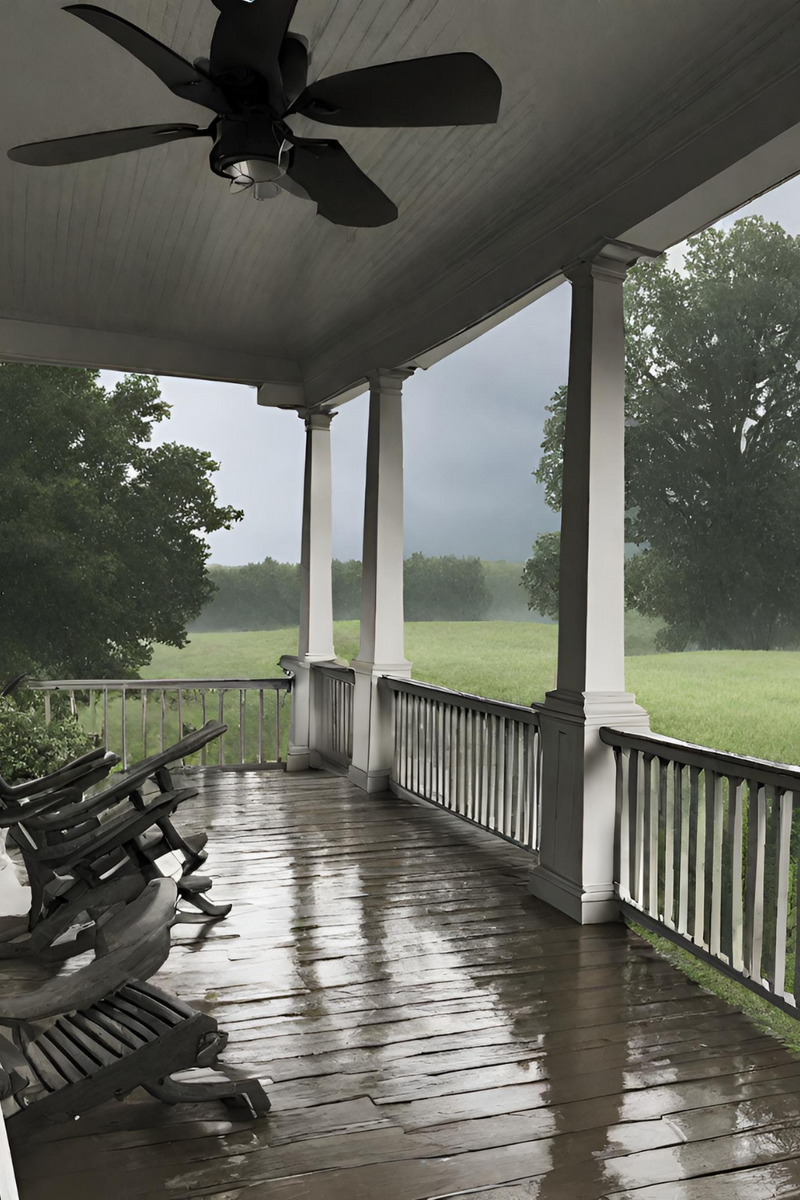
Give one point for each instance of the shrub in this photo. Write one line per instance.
(29, 747)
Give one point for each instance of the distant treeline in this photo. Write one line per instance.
(266, 595)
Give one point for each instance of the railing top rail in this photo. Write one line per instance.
(431, 691)
(335, 671)
(738, 766)
(280, 685)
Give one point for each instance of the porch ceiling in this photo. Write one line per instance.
(612, 110)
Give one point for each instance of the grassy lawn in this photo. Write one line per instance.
(746, 702)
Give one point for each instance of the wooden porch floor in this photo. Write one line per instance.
(429, 1029)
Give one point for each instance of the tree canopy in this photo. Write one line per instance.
(102, 536)
(266, 595)
(713, 441)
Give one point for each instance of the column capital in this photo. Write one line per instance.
(607, 259)
(316, 420)
(387, 379)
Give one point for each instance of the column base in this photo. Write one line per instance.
(369, 781)
(298, 759)
(576, 849)
(593, 904)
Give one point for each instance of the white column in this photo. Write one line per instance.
(316, 595)
(575, 871)
(381, 648)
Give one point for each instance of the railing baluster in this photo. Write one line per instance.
(736, 819)
(714, 885)
(783, 823)
(697, 807)
(124, 738)
(105, 717)
(666, 800)
(469, 792)
(628, 770)
(47, 712)
(221, 740)
(637, 829)
(261, 727)
(682, 834)
(163, 718)
(754, 879)
(242, 695)
(180, 712)
(203, 754)
(500, 814)
(73, 708)
(278, 746)
(650, 803)
(143, 698)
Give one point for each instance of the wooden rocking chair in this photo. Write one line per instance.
(114, 1032)
(71, 843)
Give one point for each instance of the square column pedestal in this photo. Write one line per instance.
(576, 850)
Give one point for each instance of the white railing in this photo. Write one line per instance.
(478, 758)
(332, 699)
(134, 717)
(706, 853)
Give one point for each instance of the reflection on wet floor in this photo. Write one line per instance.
(428, 1029)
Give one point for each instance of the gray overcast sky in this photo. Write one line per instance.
(473, 425)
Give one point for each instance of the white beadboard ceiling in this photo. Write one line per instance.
(612, 109)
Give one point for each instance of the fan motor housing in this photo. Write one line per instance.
(243, 138)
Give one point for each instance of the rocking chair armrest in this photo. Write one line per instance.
(132, 779)
(134, 945)
(192, 743)
(26, 814)
(70, 773)
(109, 835)
(77, 809)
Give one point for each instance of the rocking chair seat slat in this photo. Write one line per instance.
(76, 1062)
(140, 988)
(69, 1068)
(101, 1038)
(127, 1023)
(95, 1048)
(164, 1013)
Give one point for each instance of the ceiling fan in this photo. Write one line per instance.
(255, 78)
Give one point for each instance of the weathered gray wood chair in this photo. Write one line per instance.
(81, 773)
(113, 1032)
(71, 843)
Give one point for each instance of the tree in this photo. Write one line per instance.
(540, 575)
(102, 549)
(445, 588)
(713, 440)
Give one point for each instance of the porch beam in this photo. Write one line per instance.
(576, 867)
(381, 648)
(316, 588)
(67, 346)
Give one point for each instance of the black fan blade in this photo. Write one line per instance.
(447, 89)
(250, 36)
(343, 193)
(179, 75)
(101, 145)
(293, 63)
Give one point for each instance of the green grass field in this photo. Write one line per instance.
(746, 702)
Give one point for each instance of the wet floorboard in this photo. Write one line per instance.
(426, 1029)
